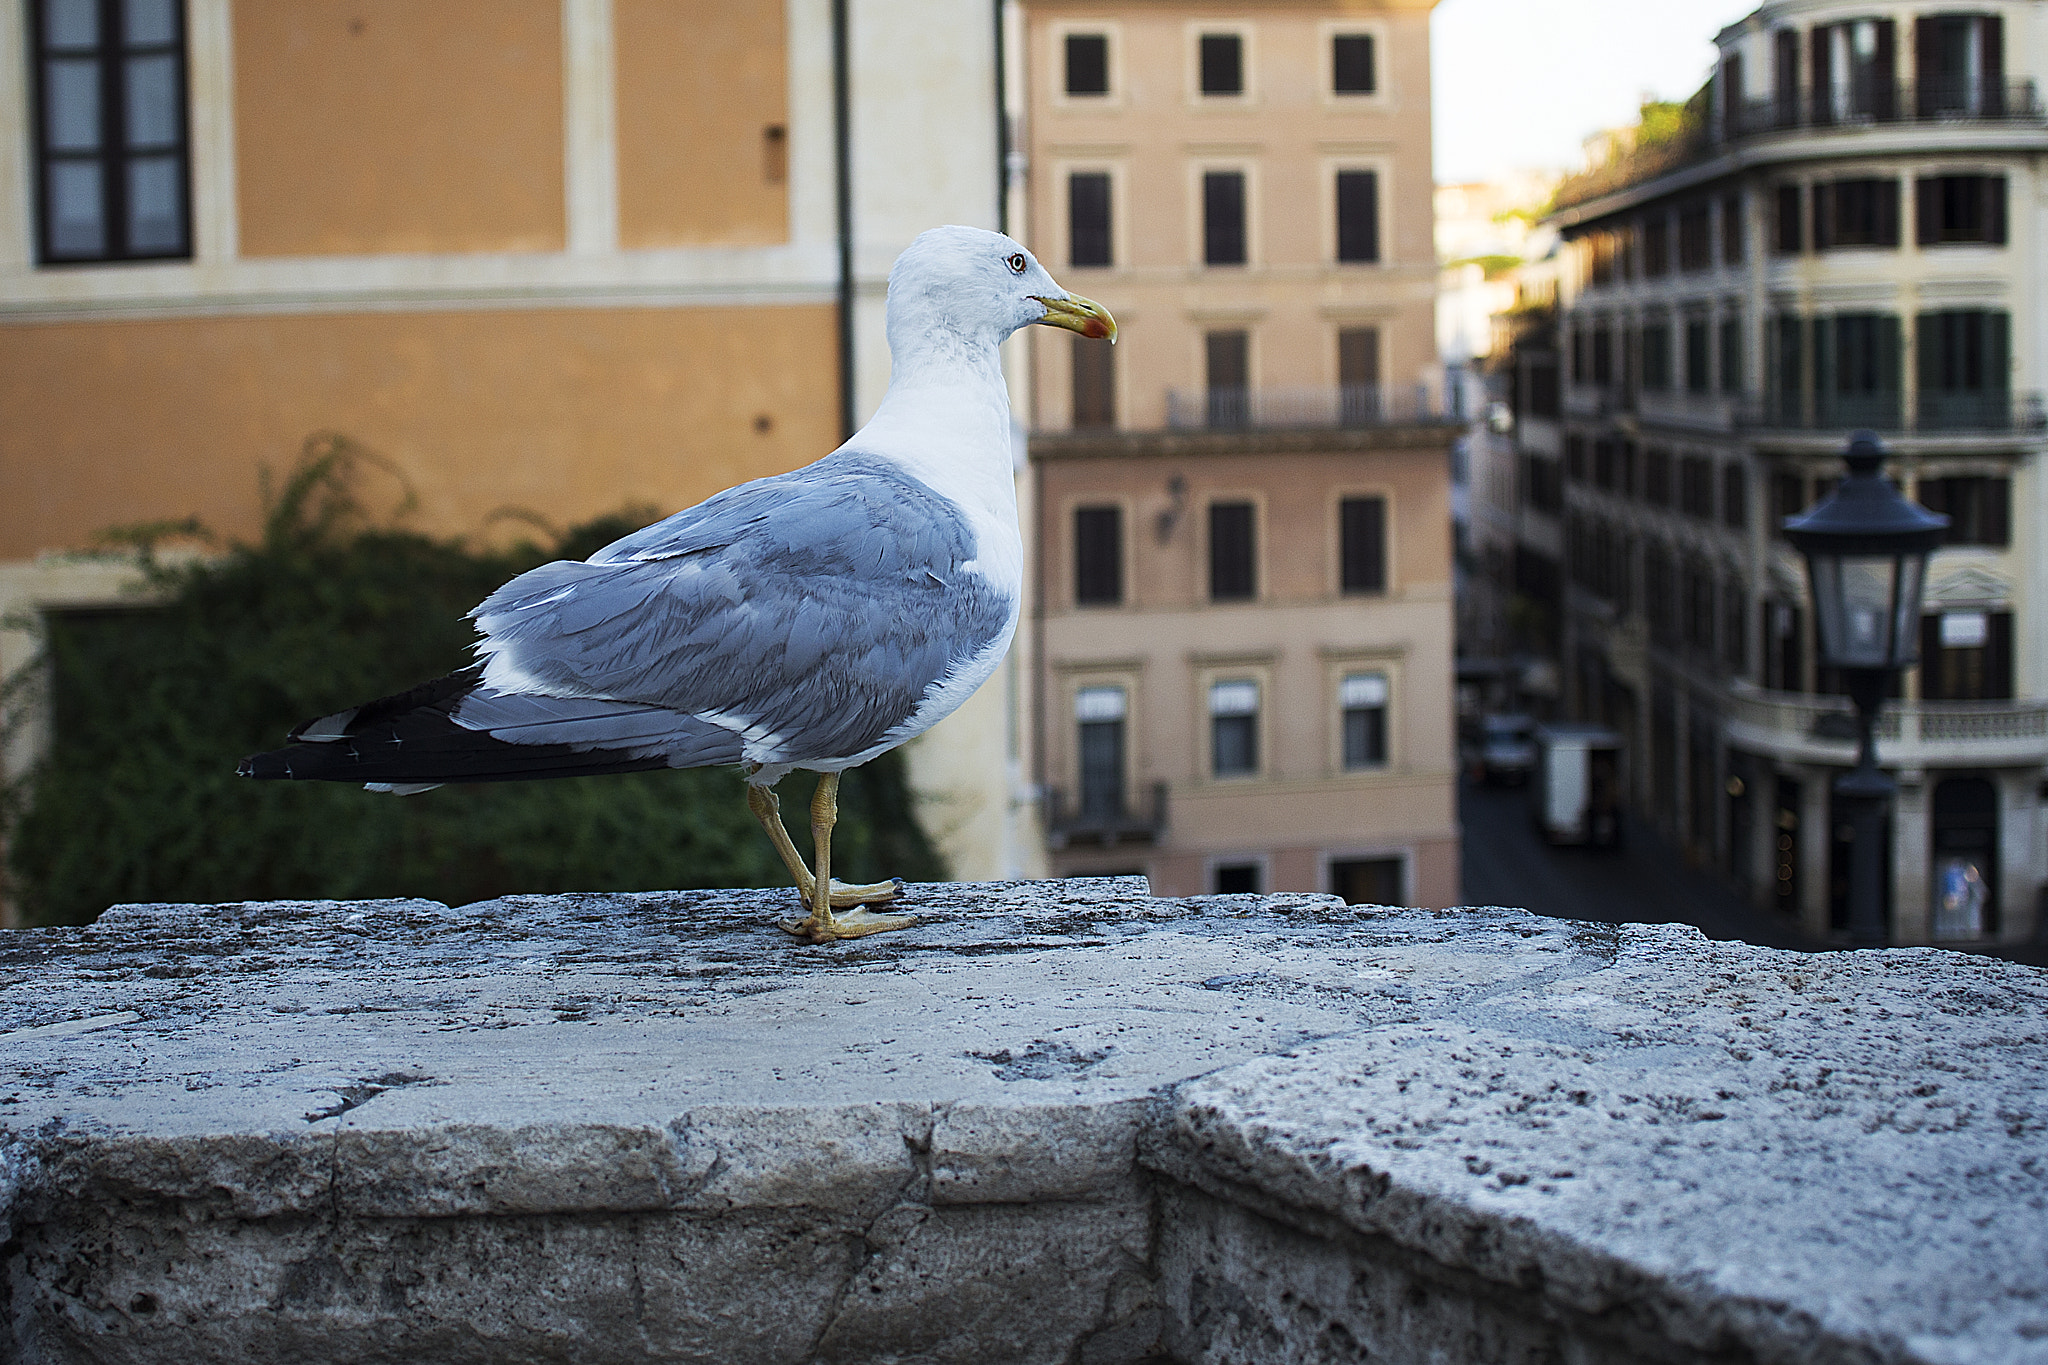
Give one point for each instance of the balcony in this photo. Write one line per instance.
(1815, 729)
(1871, 104)
(1112, 824)
(1304, 409)
(1929, 414)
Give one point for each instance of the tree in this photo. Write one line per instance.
(152, 706)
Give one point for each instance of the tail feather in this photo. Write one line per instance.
(411, 740)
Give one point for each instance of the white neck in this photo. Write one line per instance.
(946, 420)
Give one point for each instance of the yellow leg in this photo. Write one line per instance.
(767, 809)
(822, 926)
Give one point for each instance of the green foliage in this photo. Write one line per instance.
(152, 708)
(1664, 121)
(1493, 264)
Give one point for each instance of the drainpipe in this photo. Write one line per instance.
(842, 165)
(1002, 128)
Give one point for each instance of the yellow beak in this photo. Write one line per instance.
(1077, 314)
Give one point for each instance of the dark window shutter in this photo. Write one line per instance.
(1820, 50)
(1887, 212)
(1998, 655)
(1222, 59)
(1824, 197)
(1993, 51)
(1997, 512)
(1098, 556)
(1362, 538)
(1997, 351)
(1994, 209)
(1088, 234)
(1223, 234)
(1891, 353)
(1087, 64)
(1232, 576)
(1358, 356)
(1791, 238)
(1351, 64)
(1358, 216)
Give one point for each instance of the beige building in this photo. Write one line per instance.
(1242, 640)
(1847, 234)
(551, 255)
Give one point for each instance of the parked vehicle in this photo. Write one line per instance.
(1507, 750)
(1576, 797)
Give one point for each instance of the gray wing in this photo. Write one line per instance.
(805, 614)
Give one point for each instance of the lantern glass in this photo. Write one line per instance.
(1868, 608)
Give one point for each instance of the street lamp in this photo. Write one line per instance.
(1866, 551)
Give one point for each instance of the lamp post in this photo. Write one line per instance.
(1866, 551)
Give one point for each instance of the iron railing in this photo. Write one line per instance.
(1350, 405)
(1868, 103)
(1932, 412)
(1105, 824)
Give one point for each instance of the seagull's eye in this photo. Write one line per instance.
(1016, 262)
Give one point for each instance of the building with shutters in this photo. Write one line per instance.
(1848, 234)
(559, 256)
(1243, 622)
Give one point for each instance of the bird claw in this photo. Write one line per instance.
(859, 924)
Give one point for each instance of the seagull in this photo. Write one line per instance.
(812, 620)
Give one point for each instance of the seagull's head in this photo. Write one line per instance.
(985, 286)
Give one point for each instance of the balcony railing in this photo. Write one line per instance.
(1908, 733)
(1350, 405)
(1104, 824)
(1931, 412)
(1866, 104)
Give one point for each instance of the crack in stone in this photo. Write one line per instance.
(920, 1148)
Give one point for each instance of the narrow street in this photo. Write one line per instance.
(1643, 881)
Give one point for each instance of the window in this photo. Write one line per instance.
(1784, 648)
(1657, 476)
(1222, 62)
(1695, 236)
(1788, 498)
(1223, 227)
(1099, 718)
(1234, 727)
(1735, 625)
(1731, 355)
(1362, 544)
(1787, 373)
(1698, 606)
(1087, 64)
(1785, 78)
(1789, 235)
(1351, 64)
(1358, 216)
(1698, 359)
(1696, 487)
(1966, 656)
(1856, 363)
(1098, 556)
(1358, 374)
(1657, 356)
(1964, 360)
(1979, 509)
(1369, 881)
(1603, 354)
(1228, 358)
(1734, 497)
(1094, 384)
(1088, 218)
(1239, 879)
(1232, 551)
(112, 163)
(1960, 60)
(1362, 697)
(1656, 245)
(1855, 213)
(1959, 208)
(1734, 240)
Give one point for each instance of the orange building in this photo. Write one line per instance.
(550, 255)
(1243, 632)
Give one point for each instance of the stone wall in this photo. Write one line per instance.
(1052, 1122)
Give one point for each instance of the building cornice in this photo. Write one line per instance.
(1104, 445)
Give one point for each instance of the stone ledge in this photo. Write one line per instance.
(1055, 1121)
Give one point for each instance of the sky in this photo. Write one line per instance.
(1518, 84)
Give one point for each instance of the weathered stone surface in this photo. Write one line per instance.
(1055, 1121)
